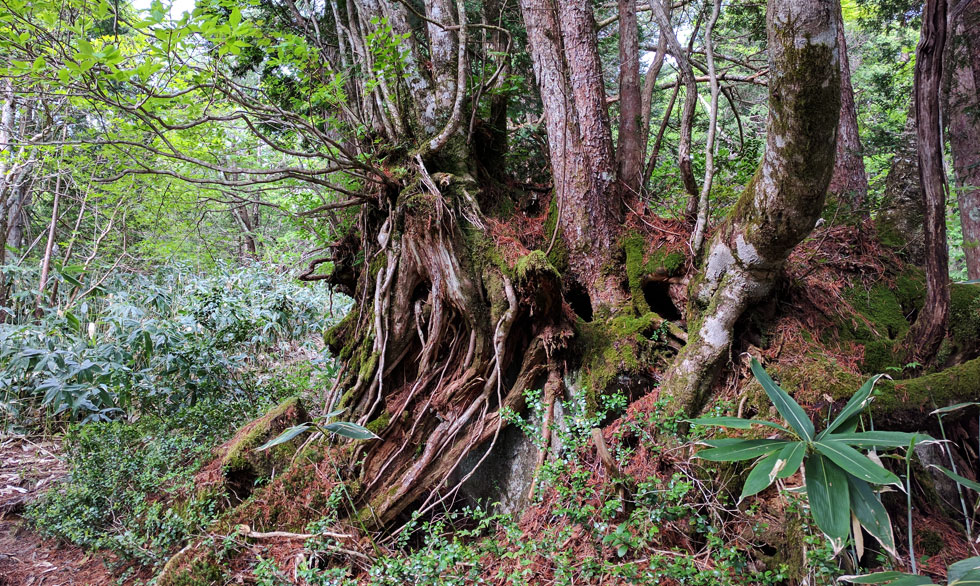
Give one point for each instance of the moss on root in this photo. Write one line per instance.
(908, 400)
(186, 569)
(240, 455)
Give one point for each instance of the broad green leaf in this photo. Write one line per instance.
(285, 436)
(735, 423)
(792, 454)
(827, 491)
(351, 430)
(761, 476)
(881, 578)
(952, 408)
(878, 439)
(971, 484)
(871, 513)
(742, 450)
(855, 463)
(969, 578)
(854, 406)
(960, 569)
(787, 407)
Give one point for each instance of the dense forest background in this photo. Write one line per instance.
(457, 292)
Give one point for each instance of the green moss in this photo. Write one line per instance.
(955, 384)
(616, 345)
(964, 314)
(378, 425)
(641, 262)
(378, 263)
(532, 263)
(240, 454)
(558, 254)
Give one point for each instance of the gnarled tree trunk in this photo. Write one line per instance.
(781, 204)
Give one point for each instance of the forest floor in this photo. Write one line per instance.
(27, 469)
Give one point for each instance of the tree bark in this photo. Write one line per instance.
(929, 328)
(964, 125)
(849, 184)
(629, 152)
(563, 43)
(781, 204)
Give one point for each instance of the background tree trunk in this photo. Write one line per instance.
(929, 328)
(964, 125)
(783, 201)
(849, 184)
(629, 152)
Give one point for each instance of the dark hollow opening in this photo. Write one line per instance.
(657, 295)
(580, 301)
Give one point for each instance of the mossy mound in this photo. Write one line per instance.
(623, 345)
(238, 462)
(906, 402)
(189, 568)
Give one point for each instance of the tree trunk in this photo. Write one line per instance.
(589, 206)
(849, 184)
(781, 204)
(964, 125)
(629, 151)
(929, 328)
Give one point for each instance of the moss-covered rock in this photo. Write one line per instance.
(191, 568)
(621, 345)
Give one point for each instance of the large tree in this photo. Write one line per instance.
(396, 115)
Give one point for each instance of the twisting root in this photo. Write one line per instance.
(552, 389)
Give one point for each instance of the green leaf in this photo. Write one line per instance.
(741, 450)
(871, 513)
(970, 578)
(235, 17)
(856, 463)
(886, 578)
(792, 454)
(351, 430)
(952, 408)
(877, 439)
(854, 406)
(285, 436)
(787, 407)
(960, 569)
(827, 491)
(734, 423)
(761, 476)
(971, 484)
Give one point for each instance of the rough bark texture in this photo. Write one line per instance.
(589, 207)
(782, 203)
(930, 326)
(849, 184)
(964, 125)
(629, 152)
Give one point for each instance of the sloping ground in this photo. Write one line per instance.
(28, 468)
(841, 314)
